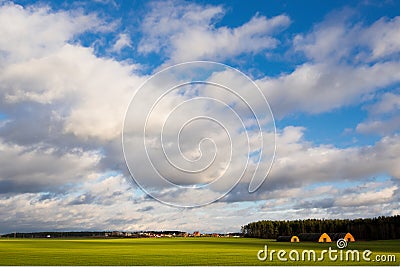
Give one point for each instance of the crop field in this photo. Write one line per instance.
(181, 251)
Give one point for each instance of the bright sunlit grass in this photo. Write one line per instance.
(169, 251)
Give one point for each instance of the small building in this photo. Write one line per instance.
(295, 239)
(116, 233)
(349, 238)
(315, 237)
(346, 236)
(324, 238)
(196, 234)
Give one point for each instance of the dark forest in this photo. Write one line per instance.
(379, 228)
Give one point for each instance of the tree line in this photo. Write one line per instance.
(379, 228)
(92, 234)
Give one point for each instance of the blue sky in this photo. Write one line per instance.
(68, 69)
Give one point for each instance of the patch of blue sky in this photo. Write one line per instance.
(255, 156)
(382, 178)
(109, 174)
(354, 183)
(337, 127)
(3, 116)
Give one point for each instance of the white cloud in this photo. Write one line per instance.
(384, 116)
(388, 103)
(338, 38)
(31, 32)
(122, 42)
(83, 98)
(367, 198)
(87, 93)
(317, 88)
(168, 18)
(339, 71)
(300, 162)
(111, 203)
(188, 32)
(383, 38)
(328, 40)
(43, 168)
(94, 101)
(107, 2)
(300, 165)
(381, 127)
(61, 101)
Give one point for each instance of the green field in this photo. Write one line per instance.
(172, 251)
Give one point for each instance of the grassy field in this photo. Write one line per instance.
(172, 251)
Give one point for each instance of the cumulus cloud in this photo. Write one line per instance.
(186, 31)
(94, 101)
(41, 168)
(340, 38)
(63, 105)
(343, 68)
(367, 198)
(384, 116)
(34, 31)
(317, 88)
(300, 164)
(381, 127)
(383, 38)
(389, 103)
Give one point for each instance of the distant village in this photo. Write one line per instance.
(117, 234)
(313, 237)
(313, 230)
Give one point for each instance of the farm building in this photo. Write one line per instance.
(315, 237)
(346, 236)
(287, 238)
(197, 233)
(295, 238)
